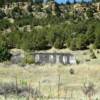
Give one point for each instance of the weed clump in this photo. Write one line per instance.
(92, 54)
(13, 89)
(72, 71)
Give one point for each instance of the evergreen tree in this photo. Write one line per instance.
(74, 1)
(97, 40)
(81, 42)
(68, 2)
(4, 52)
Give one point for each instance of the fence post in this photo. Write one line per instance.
(59, 86)
(49, 96)
(39, 89)
(16, 83)
(29, 90)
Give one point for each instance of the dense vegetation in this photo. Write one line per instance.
(4, 52)
(76, 35)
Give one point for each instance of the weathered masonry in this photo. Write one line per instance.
(43, 58)
(54, 58)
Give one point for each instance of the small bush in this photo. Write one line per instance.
(87, 60)
(23, 83)
(89, 89)
(72, 71)
(29, 59)
(11, 88)
(4, 54)
(77, 61)
(73, 45)
(58, 44)
(92, 54)
(98, 52)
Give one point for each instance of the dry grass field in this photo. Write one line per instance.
(57, 82)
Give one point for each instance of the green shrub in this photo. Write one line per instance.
(29, 59)
(23, 83)
(4, 24)
(87, 60)
(98, 52)
(16, 12)
(4, 54)
(72, 71)
(58, 44)
(77, 61)
(81, 42)
(73, 45)
(97, 36)
(2, 14)
(92, 54)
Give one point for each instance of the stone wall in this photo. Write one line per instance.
(53, 58)
(43, 58)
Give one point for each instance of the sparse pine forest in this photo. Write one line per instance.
(32, 26)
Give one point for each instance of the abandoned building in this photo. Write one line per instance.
(54, 58)
(43, 58)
